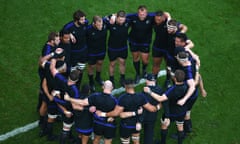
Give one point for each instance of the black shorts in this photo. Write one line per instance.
(52, 108)
(100, 129)
(83, 124)
(92, 59)
(78, 56)
(127, 131)
(136, 48)
(159, 52)
(114, 54)
(173, 118)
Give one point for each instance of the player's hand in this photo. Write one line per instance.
(92, 109)
(140, 110)
(73, 39)
(146, 89)
(181, 102)
(67, 97)
(166, 122)
(110, 119)
(98, 113)
(112, 19)
(51, 97)
(68, 114)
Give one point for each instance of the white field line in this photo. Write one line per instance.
(35, 124)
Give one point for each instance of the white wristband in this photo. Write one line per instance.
(52, 54)
(103, 114)
(133, 113)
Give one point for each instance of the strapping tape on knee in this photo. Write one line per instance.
(135, 138)
(125, 140)
(52, 116)
(67, 127)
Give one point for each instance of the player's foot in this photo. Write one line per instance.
(52, 138)
(92, 88)
(42, 133)
(122, 82)
(175, 136)
(144, 75)
(137, 79)
(99, 81)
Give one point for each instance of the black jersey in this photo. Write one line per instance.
(118, 35)
(141, 31)
(96, 40)
(105, 103)
(151, 116)
(67, 52)
(47, 49)
(79, 33)
(51, 82)
(161, 36)
(131, 102)
(175, 93)
(83, 119)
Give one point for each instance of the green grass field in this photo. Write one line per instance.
(213, 26)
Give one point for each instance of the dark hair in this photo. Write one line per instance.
(121, 13)
(52, 36)
(78, 14)
(159, 13)
(59, 64)
(63, 32)
(74, 75)
(129, 82)
(182, 36)
(182, 54)
(179, 75)
(142, 7)
(172, 22)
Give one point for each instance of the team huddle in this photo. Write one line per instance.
(80, 45)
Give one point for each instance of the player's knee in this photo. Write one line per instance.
(135, 138)
(52, 116)
(165, 122)
(125, 140)
(67, 127)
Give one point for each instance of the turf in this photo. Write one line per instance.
(213, 26)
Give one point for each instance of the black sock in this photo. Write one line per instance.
(64, 137)
(49, 129)
(111, 78)
(180, 136)
(90, 77)
(98, 75)
(163, 135)
(137, 67)
(79, 80)
(122, 76)
(187, 126)
(144, 68)
(41, 120)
